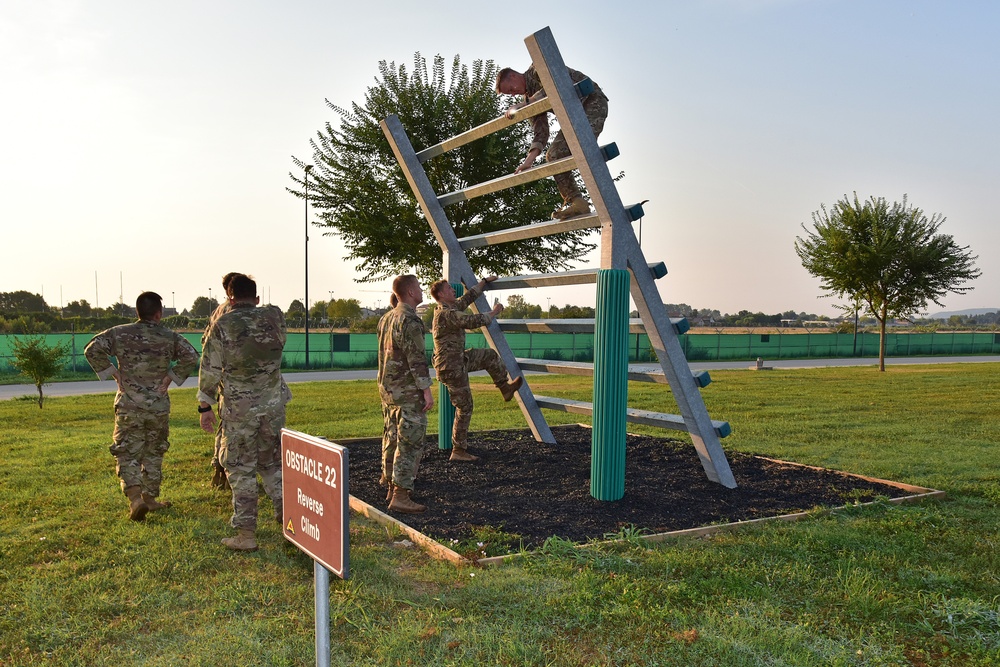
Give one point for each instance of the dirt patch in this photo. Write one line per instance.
(532, 491)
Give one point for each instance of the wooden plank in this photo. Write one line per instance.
(577, 277)
(701, 378)
(632, 415)
(579, 325)
(537, 173)
(532, 231)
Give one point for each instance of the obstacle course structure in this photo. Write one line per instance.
(623, 271)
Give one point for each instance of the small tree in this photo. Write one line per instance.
(344, 309)
(889, 258)
(38, 361)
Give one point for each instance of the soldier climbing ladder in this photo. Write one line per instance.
(623, 270)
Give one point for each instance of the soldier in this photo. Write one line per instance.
(453, 362)
(241, 361)
(595, 105)
(404, 385)
(145, 351)
(389, 434)
(219, 480)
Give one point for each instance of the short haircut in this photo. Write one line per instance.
(501, 75)
(227, 281)
(437, 287)
(403, 283)
(148, 304)
(243, 287)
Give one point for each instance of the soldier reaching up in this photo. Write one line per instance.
(454, 363)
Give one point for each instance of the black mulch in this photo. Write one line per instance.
(535, 491)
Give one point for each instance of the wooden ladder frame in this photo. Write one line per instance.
(619, 250)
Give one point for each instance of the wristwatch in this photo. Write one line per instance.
(205, 409)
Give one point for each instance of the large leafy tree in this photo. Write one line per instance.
(22, 302)
(363, 197)
(889, 258)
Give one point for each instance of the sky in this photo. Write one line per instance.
(148, 146)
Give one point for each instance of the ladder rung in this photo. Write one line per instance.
(632, 415)
(536, 230)
(510, 180)
(701, 378)
(543, 170)
(577, 277)
(580, 325)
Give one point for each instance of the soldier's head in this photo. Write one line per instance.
(407, 290)
(243, 289)
(510, 82)
(149, 306)
(443, 292)
(227, 282)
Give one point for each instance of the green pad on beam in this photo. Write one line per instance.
(702, 378)
(610, 151)
(682, 326)
(584, 88)
(658, 270)
(634, 212)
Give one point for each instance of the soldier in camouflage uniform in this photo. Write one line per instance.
(595, 105)
(404, 385)
(241, 361)
(453, 362)
(149, 356)
(219, 480)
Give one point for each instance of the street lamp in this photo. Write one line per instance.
(306, 183)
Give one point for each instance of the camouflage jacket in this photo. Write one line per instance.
(540, 123)
(450, 323)
(147, 352)
(402, 359)
(241, 360)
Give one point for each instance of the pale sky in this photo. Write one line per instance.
(150, 143)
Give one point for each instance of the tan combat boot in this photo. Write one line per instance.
(153, 504)
(508, 389)
(462, 455)
(136, 508)
(574, 207)
(401, 502)
(245, 540)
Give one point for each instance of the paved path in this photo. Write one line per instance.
(98, 387)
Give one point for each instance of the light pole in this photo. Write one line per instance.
(306, 183)
(173, 300)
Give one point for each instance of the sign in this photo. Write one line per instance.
(315, 498)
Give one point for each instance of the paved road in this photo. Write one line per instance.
(99, 387)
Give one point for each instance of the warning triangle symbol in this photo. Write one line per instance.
(290, 528)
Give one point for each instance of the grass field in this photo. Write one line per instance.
(879, 585)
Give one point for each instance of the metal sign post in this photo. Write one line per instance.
(316, 511)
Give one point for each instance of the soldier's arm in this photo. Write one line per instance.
(415, 354)
(471, 295)
(210, 374)
(187, 360)
(99, 352)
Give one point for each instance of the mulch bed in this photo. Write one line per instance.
(534, 490)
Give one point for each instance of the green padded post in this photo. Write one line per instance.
(607, 448)
(446, 411)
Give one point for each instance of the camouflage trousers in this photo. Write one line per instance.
(139, 443)
(403, 442)
(247, 448)
(596, 108)
(477, 359)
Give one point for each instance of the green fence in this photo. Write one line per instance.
(347, 350)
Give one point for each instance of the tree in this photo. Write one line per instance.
(889, 258)
(78, 309)
(344, 310)
(204, 306)
(296, 307)
(519, 309)
(318, 310)
(363, 197)
(37, 361)
(22, 301)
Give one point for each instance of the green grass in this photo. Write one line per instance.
(871, 585)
